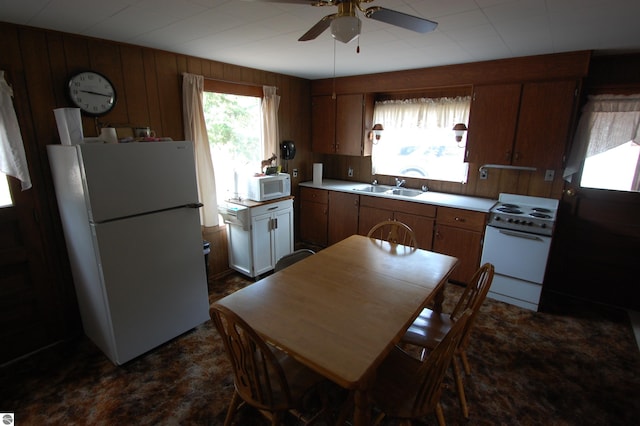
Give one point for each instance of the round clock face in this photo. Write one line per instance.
(92, 92)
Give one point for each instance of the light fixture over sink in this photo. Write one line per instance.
(376, 131)
(459, 130)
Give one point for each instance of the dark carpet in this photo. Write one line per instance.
(528, 368)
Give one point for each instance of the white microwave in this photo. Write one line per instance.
(269, 187)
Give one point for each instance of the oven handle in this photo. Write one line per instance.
(525, 236)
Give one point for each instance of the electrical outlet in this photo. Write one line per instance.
(295, 172)
(549, 175)
(350, 172)
(484, 174)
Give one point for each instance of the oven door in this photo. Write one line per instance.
(516, 254)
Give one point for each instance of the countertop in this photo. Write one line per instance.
(465, 202)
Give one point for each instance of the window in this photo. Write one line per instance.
(606, 144)
(418, 140)
(235, 136)
(5, 194)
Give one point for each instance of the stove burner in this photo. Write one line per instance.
(541, 210)
(508, 209)
(511, 206)
(540, 215)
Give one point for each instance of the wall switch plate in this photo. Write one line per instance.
(549, 175)
(484, 174)
(350, 172)
(295, 172)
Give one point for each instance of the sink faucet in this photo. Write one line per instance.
(399, 182)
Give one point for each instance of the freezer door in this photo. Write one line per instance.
(121, 180)
(153, 277)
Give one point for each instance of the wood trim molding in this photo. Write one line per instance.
(530, 68)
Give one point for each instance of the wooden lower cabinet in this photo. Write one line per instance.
(343, 215)
(314, 210)
(327, 217)
(459, 233)
(419, 217)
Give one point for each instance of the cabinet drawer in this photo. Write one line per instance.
(465, 219)
(398, 206)
(315, 195)
(270, 207)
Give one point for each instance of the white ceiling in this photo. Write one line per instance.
(264, 35)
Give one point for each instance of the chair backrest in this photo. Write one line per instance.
(473, 296)
(258, 376)
(434, 368)
(292, 258)
(394, 232)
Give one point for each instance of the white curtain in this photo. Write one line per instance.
(13, 161)
(270, 129)
(420, 113)
(607, 121)
(195, 130)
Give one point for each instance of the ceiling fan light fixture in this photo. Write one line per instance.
(345, 28)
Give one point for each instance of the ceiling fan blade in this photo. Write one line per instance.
(400, 19)
(318, 28)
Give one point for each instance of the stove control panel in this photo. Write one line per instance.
(521, 223)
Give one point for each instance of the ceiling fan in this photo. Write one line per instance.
(345, 24)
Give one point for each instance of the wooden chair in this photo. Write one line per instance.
(430, 327)
(407, 388)
(394, 232)
(292, 258)
(264, 377)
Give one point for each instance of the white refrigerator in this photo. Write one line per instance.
(132, 229)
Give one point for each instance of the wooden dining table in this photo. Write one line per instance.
(341, 311)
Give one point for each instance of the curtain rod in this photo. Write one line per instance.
(239, 83)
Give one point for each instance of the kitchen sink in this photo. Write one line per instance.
(405, 192)
(373, 188)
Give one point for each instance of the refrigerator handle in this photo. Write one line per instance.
(194, 205)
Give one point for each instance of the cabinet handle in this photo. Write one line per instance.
(275, 223)
(459, 219)
(507, 156)
(516, 156)
(273, 208)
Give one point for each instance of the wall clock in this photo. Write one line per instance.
(92, 92)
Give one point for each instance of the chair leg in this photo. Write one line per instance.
(465, 362)
(460, 388)
(440, 415)
(233, 406)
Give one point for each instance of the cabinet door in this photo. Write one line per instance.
(546, 112)
(492, 123)
(313, 216)
(349, 124)
(262, 243)
(282, 224)
(343, 215)
(421, 226)
(323, 124)
(463, 244)
(370, 216)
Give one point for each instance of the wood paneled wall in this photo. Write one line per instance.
(148, 83)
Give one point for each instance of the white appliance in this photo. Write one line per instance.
(259, 235)
(517, 242)
(269, 187)
(132, 228)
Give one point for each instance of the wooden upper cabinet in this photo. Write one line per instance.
(521, 124)
(544, 123)
(338, 126)
(492, 123)
(323, 124)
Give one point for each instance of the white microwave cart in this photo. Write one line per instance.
(258, 234)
